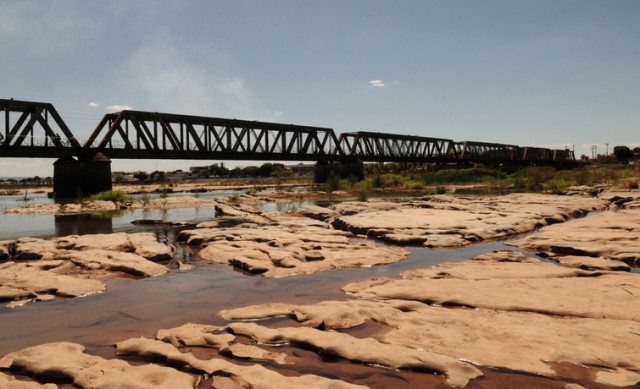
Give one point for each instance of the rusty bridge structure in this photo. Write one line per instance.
(36, 130)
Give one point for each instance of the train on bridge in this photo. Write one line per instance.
(36, 130)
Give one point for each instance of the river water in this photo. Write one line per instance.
(139, 307)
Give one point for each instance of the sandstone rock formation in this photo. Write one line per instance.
(446, 221)
(522, 315)
(67, 266)
(611, 235)
(252, 376)
(281, 251)
(68, 362)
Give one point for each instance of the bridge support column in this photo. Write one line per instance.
(345, 169)
(84, 177)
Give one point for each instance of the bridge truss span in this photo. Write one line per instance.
(32, 128)
(137, 134)
(380, 147)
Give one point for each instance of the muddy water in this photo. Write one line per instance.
(132, 307)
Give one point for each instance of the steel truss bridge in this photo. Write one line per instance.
(36, 130)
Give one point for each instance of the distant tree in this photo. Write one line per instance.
(636, 153)
(269, 169)
(140, 176)
(157, 175)
(219, 170)
(623, 154)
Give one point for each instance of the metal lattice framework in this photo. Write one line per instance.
(136, 134)
(487, 152)
(379, 147)
(34, 129)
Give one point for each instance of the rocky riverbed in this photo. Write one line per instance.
(567, 317)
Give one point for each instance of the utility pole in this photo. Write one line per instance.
(607, 148)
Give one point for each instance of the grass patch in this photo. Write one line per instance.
(111, 195)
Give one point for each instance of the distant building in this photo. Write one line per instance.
(302, 169)
(199, 171)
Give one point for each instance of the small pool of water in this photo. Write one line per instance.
(14, 226)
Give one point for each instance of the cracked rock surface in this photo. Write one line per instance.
(495, 311)
(613, 235)
(447, 221)
(39, 269)
(293, 246)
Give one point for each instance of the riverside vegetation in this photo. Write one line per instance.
(484, 180)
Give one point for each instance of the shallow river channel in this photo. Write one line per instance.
(139, 307)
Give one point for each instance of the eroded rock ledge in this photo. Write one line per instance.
(521, 314)
(447, 221)
(40, 269)
(612, 235)
(283, 245)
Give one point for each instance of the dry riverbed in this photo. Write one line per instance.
(574, 317)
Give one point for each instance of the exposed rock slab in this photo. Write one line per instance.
(171, 202)
(246, 351)
(63, 266)
(523, 341)
(23, 280)
(612, 296)
(489, 270)
(9, 382)
(255, 376)
(280, 251)
(624, 198)
(191, 334)
(609, 235)
(68, 360)
(144, 244)
(366, 350)
(446, 221)
(590, 263)
(113, 261)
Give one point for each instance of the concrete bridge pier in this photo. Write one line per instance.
(73, 178)
(343, 169)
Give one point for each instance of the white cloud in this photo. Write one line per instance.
(168, 76)
(118, 107)
(278, 113)
(376, 84)
(93, 104)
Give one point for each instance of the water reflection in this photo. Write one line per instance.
(86, 223)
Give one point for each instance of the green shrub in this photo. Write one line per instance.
(363, 196)
(111, 195)
(333, 183)
(557, 186)
(461, 176)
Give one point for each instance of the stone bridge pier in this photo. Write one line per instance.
(87, 175)
(344, 169)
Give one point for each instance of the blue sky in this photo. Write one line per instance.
(544, 73)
